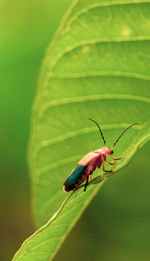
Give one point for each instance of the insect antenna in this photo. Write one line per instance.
(122, 134)
(99, 130)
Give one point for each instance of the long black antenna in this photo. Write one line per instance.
(99, 130)
(122, 134)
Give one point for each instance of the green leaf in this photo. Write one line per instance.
(96, 67)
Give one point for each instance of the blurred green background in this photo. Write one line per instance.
(116, 226)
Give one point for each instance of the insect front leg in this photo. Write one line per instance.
(114, 158)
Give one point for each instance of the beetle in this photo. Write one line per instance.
(90, 162)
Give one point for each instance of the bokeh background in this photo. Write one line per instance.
(116, 225)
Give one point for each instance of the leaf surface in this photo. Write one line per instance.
(96, 67)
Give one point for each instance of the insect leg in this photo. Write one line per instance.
(110, 163)
(114, 158)
(110, 171)
(87, 180)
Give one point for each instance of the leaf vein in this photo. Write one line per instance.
(101, 5)
(70, 135)
(114, 74)
(82, 43)
(80, 99)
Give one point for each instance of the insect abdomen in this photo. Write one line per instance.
(74, 177)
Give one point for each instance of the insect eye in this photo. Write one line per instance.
(112, 152)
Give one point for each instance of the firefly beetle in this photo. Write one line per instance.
(90, 162)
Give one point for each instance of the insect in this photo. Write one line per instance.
(90, 162)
